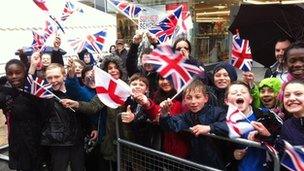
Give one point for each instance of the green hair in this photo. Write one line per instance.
(273, 83)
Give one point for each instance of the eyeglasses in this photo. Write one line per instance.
(179, 48)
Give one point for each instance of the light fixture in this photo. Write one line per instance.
(256, 2)
(213, 13)
(220, 6)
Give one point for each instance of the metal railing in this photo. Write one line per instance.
(134, 156)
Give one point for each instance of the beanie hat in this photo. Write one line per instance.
(273, 83)
(229, 68)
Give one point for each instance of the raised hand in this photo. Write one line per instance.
(165, 106)
(141, 99)
(127, 116)
(35, 63)
(152, 39)
(137, 39)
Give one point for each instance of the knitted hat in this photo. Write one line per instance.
(229, 68)
(273, 83)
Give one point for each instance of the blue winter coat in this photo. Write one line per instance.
(204, 150)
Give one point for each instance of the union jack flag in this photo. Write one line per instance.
(237, 122)
(41, 5)
(241, 54)
(48, 30)
(93, 43)
(172, 65)
(38, 87)
(166, 28)
(38, 41)
(293, 158)
(68, 10)
(127, 8)
(270, 148)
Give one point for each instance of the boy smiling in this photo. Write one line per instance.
(201, 119)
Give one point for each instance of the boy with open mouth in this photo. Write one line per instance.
(265, 124)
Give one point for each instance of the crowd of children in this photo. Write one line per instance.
(50, 133)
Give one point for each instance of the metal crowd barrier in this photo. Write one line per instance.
(132, 156)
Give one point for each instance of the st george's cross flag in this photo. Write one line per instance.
(237, 122)
(172, 66)
(241, 57)
(167, 27)
(111, 92)
(293, 159)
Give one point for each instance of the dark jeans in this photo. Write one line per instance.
(62, 156)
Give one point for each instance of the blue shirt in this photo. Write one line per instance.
(255, 157)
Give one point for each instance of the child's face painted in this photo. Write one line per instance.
(221, 79)
(15, 75)
(295, 62)
(294, 99)
(239, 96)
(138, 87)
(55, 77)
(195, 100)
(268, 97)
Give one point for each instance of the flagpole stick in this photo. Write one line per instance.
(182, 89)
(58, 98)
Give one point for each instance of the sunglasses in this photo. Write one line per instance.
(179, 48)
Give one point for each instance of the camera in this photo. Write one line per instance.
(89, 144)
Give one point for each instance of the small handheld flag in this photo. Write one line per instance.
(241, 57)
(172, 65)
(166, 28)
(293, 158)
(111, 92)
(237, 122)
